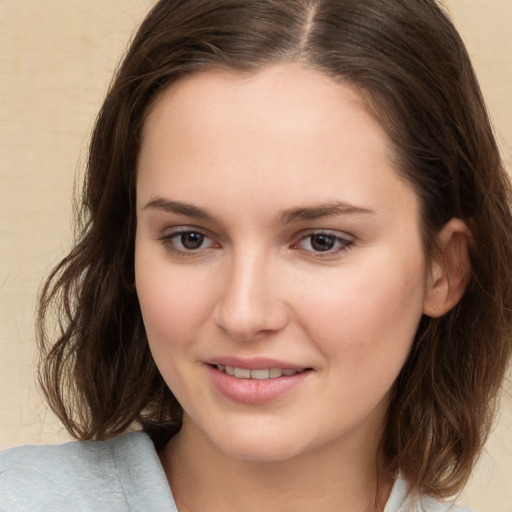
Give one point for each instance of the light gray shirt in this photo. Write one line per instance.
(118, 475)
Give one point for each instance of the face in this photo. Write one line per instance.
(278, 260)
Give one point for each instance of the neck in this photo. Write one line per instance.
(339, 477)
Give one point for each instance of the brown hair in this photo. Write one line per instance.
(407, 59)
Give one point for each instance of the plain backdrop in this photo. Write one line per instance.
(56, 60)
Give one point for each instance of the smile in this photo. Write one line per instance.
(256, 381)
(258, 374)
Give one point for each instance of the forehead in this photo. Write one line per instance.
(287, 128)
(261, 85)
(291, 92)
(292, 99)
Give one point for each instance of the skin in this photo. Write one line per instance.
(263, 154)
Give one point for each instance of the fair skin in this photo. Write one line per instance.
(274, 234)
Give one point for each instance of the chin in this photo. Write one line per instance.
(259, 453)
(260, 446)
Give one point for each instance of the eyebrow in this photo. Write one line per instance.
(179, 208)
(321, 210)
(304, 213)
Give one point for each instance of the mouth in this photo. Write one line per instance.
(258, 374)
(256, 381)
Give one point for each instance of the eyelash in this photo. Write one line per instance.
(343, 244)
(168, 240)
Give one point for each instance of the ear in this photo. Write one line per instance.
(450, 269)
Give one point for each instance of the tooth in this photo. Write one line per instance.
(260, 374)
(220, 367)
(288, 373)
(242, 373)
(275, 373)
(229, 370)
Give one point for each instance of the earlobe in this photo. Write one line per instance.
(450, 269)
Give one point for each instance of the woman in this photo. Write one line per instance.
(293, 273)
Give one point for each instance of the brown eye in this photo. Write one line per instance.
(185, 242)
(191, 240)
(322, 243)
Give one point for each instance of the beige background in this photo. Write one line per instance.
(56, 60)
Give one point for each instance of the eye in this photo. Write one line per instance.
(324, 242)
(190, 240)
(187, 241)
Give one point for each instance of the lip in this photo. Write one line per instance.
(254, 363)
(253, 391)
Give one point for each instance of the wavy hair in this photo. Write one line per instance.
(409, 63)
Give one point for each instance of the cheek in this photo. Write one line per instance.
(173, 301)
(174, 307)
(366, 315)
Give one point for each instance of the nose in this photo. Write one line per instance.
(251, 302)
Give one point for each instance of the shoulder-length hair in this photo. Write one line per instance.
(409, 63)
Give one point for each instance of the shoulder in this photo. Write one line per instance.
(401, 500)
(83, 475)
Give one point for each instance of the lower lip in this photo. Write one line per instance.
(254, 391)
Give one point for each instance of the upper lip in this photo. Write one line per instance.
(254, 363)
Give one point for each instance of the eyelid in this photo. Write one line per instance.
(170, 233)
(346, 242)
(183, 228)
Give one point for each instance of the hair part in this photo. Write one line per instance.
(410, 65)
